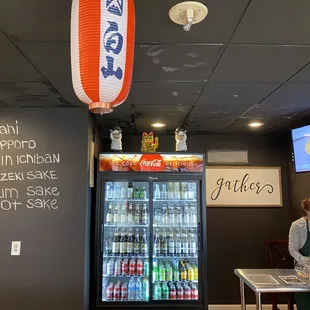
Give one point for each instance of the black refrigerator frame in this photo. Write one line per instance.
(150, 177)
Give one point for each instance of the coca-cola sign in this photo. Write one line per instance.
(151, 162)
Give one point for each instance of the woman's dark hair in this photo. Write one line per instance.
(305, 205)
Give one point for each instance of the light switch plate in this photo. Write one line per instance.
(15, 249)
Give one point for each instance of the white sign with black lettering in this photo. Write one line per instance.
(244, 186)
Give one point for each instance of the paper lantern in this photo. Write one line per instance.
(102, 51)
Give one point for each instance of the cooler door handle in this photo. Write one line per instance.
(198, 236)
(101, 236)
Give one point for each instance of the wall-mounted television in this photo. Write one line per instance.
(301, 145)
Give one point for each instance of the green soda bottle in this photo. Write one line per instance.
(162, 272)
(168, 272)
(157, 291)
(165, 291)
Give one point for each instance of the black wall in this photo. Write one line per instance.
(236, 236)
(52, 270)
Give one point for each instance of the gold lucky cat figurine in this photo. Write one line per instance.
(149, 144)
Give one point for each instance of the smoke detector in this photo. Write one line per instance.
(188, 13)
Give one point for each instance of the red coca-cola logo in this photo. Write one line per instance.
(151, 162)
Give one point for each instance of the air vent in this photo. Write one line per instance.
(227, 157)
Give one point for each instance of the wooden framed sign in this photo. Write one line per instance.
(243, 186)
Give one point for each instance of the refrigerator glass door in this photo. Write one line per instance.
(175, 241)
(126, 242)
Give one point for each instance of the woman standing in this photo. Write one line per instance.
(299, 248)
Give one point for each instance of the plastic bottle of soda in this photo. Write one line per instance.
(123, 243)
(194, 291)
(195, 272)
(139, 267)
(125, 267)
(118, 267)
(104, 267)
(173, 292)
(146, 268)
(190, 272)
(117, 291)
(155, 270)
(131, 289)
(164, 244)
(124, 291)
(144, 244)
(138, 289)
(109, 292)
(157, 292)
(180, 292)
(162, 272)
(132, 267)
(165, 291)
(130, 241)
(110, 267)
(183, 271)
(176, 272)
(145, 289)
(187, 292)
(169, 272)
(136, 243)
(109, 190)
(116, 243)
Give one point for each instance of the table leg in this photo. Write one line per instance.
(258, 301)
(242, 295)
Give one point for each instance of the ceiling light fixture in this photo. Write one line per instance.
(188, 13)
(158, 125)
(255, 124)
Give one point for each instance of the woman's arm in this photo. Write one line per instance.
(294, 244)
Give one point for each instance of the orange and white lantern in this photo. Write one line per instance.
(102, 52)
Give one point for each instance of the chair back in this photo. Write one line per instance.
(279, 256)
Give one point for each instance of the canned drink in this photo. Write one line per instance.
(124, 291)
(109, 291)
(180, 292)
(194, 292)
(132, 267)
(105, 267)
(117, 291)
(139, 267)
(118, 267)
(125, 265)
(146, 268)
(187, 292)
(110, 267)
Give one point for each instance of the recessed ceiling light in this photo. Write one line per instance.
(158, 125)
(235, 95)
(255, 124)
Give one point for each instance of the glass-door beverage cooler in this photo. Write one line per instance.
(151, 231)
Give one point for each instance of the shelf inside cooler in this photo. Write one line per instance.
(174, 200)
(179, 281)
(125, 256)
(122, 200)
(125, 301)
(175, 256)
(121, 276)
(127, 225)
(173, 226)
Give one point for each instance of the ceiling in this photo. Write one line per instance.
(249, 60)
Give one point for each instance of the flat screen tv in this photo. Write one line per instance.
(301, 145)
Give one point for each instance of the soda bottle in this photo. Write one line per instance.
(132, 267)
(115, 214)
(118, 267)
(155, 270)
(145, 289)
(169, 272)
(164, 211)
(164, 244)
(190, 273)
(136, 193)
(104, 288)
(104, 267)
(109, 190)
(139, 267)
(157, 244)
(187, 292)
(192, 244)
(165, 291)
(108, 247)
(117, 291)
(183, 271)
(130, 191)
(195, 272)
(130, 214)
(186, 215)
(176, 272)
(117, 190)
(194, 291)
(162, 272)
(123, 190)
(177, 195)
(116, 243)
(170, 190)
(193, 215)
(125, 266)
(173, 292)
(164, 193)
(143, 244)
(136, 243)
(191, 191)
(177, 215)
(130, 241)
(180, 292)
(109, 292)
(124, 292)
(144, 215)
(142, 193)
(171, 243)
(123, 243)
(170, 219)
(138, 289)
(146, 268)
(157, 216)
(124, 213)
(185, 244)
(183, 193)
(110, 267)
(178, 244)
(131, 289)
(157, 292)
(156, 192)
(110, 216)
(136, 216)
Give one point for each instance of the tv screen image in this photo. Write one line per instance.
(301, 145)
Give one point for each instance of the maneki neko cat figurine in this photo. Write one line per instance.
(149, 144)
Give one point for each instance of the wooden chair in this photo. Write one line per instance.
(279, 257)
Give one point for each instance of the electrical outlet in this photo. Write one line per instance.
(15, 249)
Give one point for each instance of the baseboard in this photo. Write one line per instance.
(248, 307)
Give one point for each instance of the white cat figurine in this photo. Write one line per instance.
(180, 139)
(116, 139)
